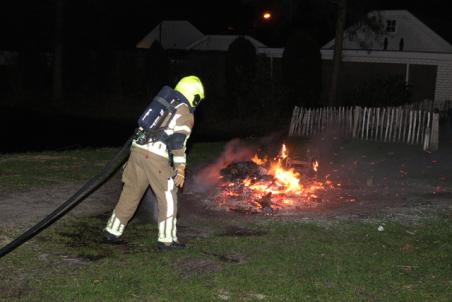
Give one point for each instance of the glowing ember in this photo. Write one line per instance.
(315, 165)
(280, 187)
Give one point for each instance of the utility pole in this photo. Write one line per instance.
(337, 55)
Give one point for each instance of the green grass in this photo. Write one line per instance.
(29, 170)
(290, 261)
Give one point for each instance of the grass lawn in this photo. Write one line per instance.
(275, 261)
(229, 258)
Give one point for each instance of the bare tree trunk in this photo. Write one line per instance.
(58, 52)
(337, 55)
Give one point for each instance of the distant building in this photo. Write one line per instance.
(404, 47)
(400, 31)
(182, 35)
(172, 35)
(220, 43)
(190, 49)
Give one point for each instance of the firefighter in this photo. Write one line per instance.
(158, 160)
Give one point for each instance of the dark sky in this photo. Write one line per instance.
(121, 24)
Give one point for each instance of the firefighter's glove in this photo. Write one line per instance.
(180, 176)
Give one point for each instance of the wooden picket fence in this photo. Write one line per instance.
(440, 106)
(387, 124)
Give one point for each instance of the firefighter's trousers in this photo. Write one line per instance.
(145, 168)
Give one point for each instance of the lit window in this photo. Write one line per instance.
(390, 26)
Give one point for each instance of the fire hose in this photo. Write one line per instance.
(87, 189)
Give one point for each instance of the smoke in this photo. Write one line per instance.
(234, 151)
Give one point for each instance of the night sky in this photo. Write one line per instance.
(94, 24)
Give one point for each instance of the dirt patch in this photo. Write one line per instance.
(188, 267)
(229, 258)
(25, 208)
(371, 181)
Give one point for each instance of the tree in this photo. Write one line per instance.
(157, 68)
(301, 64)
(240, 74)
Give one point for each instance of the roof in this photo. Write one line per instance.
(176, 34)
(220, 42)
(182, 35)
(416, 35)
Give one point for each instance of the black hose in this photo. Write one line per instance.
(87, 189)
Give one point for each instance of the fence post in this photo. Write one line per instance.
(434, 139)
(308, 123)
(350, 117)
(401, 124)
(355, 121)
(423, 126)
(305, 117)
(391, 122)
(382, 124)
(418, 127)
(292, 120)
(427, 133)
(410, 125)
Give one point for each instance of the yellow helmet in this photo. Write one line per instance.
(192, 89)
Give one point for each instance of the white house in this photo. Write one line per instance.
(401, 31)
(406, 46)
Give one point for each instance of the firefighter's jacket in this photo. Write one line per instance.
(177, 128)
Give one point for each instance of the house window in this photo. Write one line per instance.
(390, 26)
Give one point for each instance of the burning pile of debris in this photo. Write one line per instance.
(264, 185)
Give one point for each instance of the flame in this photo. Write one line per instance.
(247, 181)
(258, 161)
(315, 166)
(289, 179)
(282, 187)
(283, 154)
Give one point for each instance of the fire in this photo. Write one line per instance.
(283, 154)
(277, 186)
(315, 165)
(255, 159)
(289, 179)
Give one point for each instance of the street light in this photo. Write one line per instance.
(267, 15)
